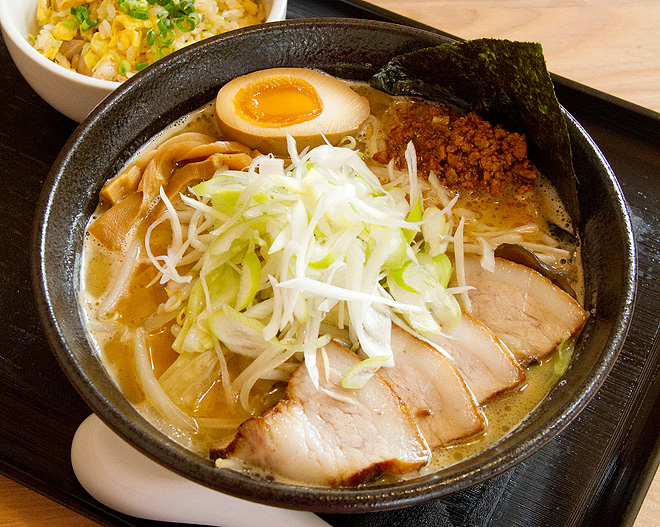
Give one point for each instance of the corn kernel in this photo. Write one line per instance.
(127, 22)
(43, 13)
(54, 48)
(99, 46)
(62, 32)
(90, 59)
(127, 38)
(252, 8)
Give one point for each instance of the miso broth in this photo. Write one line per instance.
(112, 325)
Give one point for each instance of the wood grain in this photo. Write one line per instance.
(613, 46)
(20, 507)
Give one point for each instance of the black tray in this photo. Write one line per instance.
(594, 473)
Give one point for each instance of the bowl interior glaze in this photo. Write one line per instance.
(353, 49)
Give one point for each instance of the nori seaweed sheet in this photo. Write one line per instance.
(502, 81)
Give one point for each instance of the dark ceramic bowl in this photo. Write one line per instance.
(185, 81)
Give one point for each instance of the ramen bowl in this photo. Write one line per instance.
(352, 49)
(68, 91)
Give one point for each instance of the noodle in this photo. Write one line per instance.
(255, 267)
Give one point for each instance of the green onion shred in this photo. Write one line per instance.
(83, 17)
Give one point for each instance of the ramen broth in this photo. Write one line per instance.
(112, 332)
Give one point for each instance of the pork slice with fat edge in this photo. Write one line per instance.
(346, 437)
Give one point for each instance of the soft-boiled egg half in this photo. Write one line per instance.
(259, 109)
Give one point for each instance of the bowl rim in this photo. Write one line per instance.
(373, 497)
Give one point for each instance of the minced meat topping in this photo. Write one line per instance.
(465, 152)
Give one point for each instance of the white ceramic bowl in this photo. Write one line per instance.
(69, 92)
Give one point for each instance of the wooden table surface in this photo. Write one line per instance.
(613, 46)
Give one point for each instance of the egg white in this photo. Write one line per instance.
(343, 111)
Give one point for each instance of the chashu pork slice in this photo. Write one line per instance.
(523, 308)
(487, 366)
(346, 437)
(433, 390)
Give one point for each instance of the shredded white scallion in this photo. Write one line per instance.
(459, 256)
(331, 247)
(153, 389)
(120, 284)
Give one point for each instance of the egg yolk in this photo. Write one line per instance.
(277, 101)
